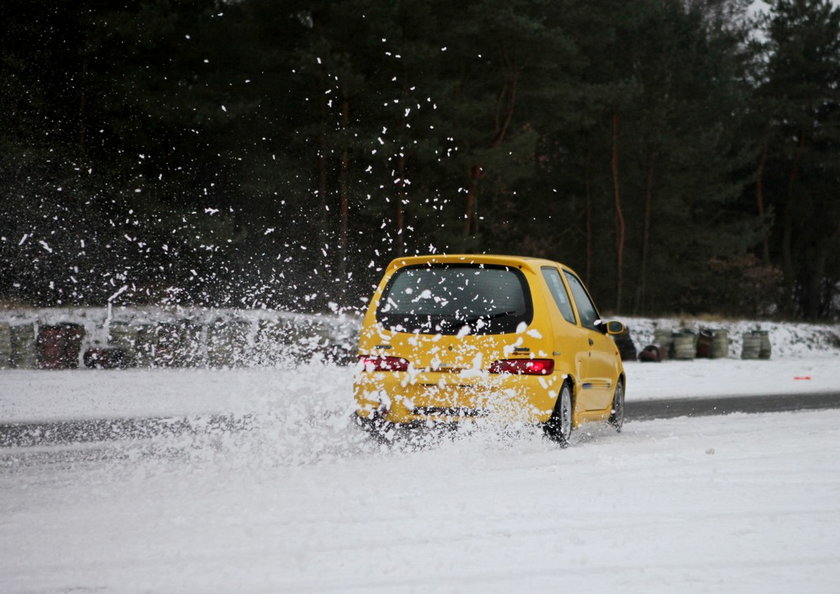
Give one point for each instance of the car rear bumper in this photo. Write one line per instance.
(442, 398)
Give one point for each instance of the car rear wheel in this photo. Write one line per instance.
(559, 426)
(377, 428)
(617, 412)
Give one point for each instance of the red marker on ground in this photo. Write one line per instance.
(802, 377)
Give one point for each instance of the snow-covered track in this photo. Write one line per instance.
(28, 434)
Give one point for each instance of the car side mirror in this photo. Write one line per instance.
(613, 328)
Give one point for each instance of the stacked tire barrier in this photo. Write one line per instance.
(709, 343)
(765, 351)
(750, 345)
(664, 338)
(720, 344)
(177, 344)
(5, 345)
(122, 337)
(289, 342)
(271, 340)
(756, 345)
(105, 358)
(157, 338)
(625, 344)
(685, 345)
(59, 346)
(165, 344)
(55, 338)
(145, 337)
(712, 343)
(704, 344)
(23, 346)
(654, 353)
(227, 343)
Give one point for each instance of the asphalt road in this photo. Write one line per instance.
(80, 431)
(724, 405)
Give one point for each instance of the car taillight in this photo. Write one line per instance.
(383, 363)
(523, 366)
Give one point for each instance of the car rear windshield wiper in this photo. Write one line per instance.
(488, 317)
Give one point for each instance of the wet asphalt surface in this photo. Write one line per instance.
(86, 431)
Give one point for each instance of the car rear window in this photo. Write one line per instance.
(446, 299)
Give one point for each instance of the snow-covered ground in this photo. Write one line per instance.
(317, 389)
(303, 502)
(742, 503)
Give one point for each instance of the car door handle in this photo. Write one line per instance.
(591, 342)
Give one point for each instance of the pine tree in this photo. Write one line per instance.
(800, 94)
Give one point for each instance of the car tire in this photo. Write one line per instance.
(376, 428)
(559, 426)
(616, 419)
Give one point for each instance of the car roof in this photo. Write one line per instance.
(529, 262)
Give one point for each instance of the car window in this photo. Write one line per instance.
(443, 299)
(558, 291)
(586, 309)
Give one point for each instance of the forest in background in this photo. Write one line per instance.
(682, 155)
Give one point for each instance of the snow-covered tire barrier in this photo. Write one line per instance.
(62, 338)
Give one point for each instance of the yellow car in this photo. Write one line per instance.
(452, 338)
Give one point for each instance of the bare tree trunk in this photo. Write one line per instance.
(759, 201)
(641, 304)
(401, 181)
(619, 217)
(819, 290)
(82, 107)
(343, 199)
(401, 194)
(506, 101)
(323, 169)
(816, 276)
(587, 168)
(321, 222)
(787, 229)
(469, 207)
